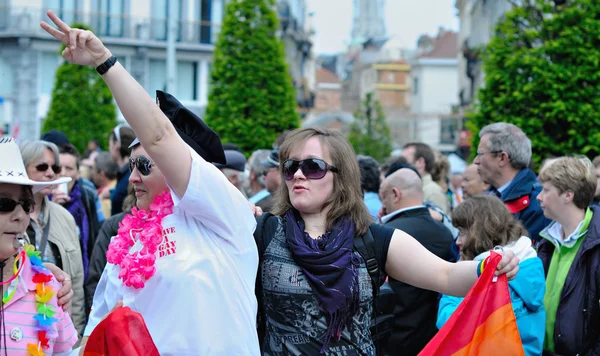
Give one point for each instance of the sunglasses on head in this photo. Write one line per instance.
(8, 205)
(117, 132)
(312, 168)
(43, 167)
(143, 164)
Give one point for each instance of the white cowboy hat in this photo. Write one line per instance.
(12, 169)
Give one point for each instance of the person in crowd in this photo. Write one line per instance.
(52, 229)
(118, 145)
(92, 146)
(310, 273)
(441, 170)
(421, 156)
(80, 201)
(29, 290)
(596, 163)
(455, 190)
(485, 223)
(56, 137)
(272, 179)
(415, 310)
(198, 249)
(472, 184)
(385, 167)
(369, 183)
(105, 172)
(234, 168)
(570, 251)
(503, 155)
(256, 176)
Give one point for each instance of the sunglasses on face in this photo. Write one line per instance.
(43, 167)
(312, 168)
(8, 205)
(143, 164)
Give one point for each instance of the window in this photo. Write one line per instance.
(65, 9)
(415, 85)
(158, 76)
(187, 83)
(160, 19)
(216, 19)
(111, 17)
(49, 64)
(6, 78)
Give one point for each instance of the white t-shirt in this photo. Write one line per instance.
(201, 300)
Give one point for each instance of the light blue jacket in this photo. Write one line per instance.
(527, 296)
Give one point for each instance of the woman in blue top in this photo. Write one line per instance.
(484, 222)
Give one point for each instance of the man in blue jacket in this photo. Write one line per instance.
(503, 154)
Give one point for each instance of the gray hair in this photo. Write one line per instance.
(256, 161)
(104, 163)
(33, 150)
(504, 137)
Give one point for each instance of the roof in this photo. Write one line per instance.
(445, 46)
(326, 76)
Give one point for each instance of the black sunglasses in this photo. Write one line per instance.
(8, 205)
(43, 167)
(143, 164)
(312, 168)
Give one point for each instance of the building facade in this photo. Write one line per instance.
(368, 20)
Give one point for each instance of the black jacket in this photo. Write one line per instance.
(98, 258)
(89, 197)
(415, 312)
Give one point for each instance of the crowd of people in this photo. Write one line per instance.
(294, 251)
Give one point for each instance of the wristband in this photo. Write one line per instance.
(104, 67)
(481, 266)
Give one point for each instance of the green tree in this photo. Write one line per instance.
(252, 98)
(82, 105)
(369, 133)
(541, 74)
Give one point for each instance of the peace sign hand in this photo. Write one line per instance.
(83, 47)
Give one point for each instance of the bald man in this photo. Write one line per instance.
(472, 184)
(415, 311)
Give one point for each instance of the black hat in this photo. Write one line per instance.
(235, 160)
(273, 160)
(191, 128)
(56, 137)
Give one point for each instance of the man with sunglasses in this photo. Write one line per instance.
(196, 288)
(118, 145)
(502, 160)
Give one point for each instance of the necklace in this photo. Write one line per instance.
(16, 271)
(137, 267)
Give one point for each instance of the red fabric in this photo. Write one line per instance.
(483, 324)
(518, 204)
(122, 333)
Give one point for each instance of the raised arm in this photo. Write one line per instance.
(154, 130)
(408, 261)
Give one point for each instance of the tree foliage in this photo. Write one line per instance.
(82, 105)
(252, 97)
(542, 74)
(369, 133)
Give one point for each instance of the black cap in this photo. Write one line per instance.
(234, 160)
(56, 137)
(273, 160)
(191, 128)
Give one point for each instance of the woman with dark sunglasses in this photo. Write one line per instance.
(316, 290)
(31, 321)
(52, 229)
(185, 258)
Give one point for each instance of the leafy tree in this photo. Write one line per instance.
(369, 133)
(82, 105)
(541, 74)
(252, 97)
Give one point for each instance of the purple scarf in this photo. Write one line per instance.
(77, 209)
(330, 268)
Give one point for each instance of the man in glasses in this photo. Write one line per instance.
(503, 155)
(192, 278)
(118, 145)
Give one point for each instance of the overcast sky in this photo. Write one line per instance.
(407, 19)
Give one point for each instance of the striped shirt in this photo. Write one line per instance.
(19, 313)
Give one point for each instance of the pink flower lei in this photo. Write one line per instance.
(138, 267)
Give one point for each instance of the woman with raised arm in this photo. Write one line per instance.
(186, 260)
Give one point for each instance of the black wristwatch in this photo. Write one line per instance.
(104, 67)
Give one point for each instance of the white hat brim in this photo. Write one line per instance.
(35, 186)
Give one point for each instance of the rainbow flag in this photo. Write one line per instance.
(483, 324)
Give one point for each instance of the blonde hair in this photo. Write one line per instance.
(572, 174)
(347, 197)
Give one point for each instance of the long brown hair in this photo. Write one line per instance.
(347, 197)
(485, 223)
